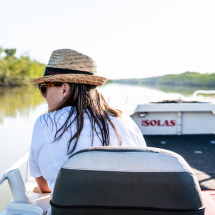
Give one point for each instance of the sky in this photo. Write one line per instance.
(126, 38)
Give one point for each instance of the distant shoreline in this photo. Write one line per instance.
(184, 79)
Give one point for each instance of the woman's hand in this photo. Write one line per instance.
(42, 184)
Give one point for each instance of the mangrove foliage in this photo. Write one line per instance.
(17, 71)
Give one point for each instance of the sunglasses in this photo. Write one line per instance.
(43, 86)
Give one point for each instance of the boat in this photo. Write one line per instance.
(158, 179)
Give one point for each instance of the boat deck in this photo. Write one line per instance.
(197, 150)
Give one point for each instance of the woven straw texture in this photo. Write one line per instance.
(72, 78)
(73, 60)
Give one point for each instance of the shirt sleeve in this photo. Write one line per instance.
(33, 166)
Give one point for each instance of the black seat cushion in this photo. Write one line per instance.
(84, 190)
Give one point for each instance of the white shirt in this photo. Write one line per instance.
(47, 157)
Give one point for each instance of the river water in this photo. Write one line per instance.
(20, 107)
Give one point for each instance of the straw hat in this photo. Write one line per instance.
(69, 66)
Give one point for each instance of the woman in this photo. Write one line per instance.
(78, 117)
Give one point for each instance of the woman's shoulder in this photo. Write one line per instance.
(129, 131)
(123, 119)
(62, 112)
(56, 114)
(52, 117)
(124, 122)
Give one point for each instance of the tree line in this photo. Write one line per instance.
(186, 78)
(17, 71)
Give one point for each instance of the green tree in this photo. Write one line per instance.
(16, 71)
(10, 52)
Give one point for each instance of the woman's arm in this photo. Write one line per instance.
(42, 184)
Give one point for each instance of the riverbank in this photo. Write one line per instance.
(184, 79)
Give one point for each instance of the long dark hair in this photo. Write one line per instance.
(87, 99)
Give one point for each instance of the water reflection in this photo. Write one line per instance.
(22, 100)
(19, 100)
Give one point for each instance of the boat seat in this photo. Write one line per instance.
(126, 181)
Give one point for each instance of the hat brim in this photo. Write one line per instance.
(72, 78)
